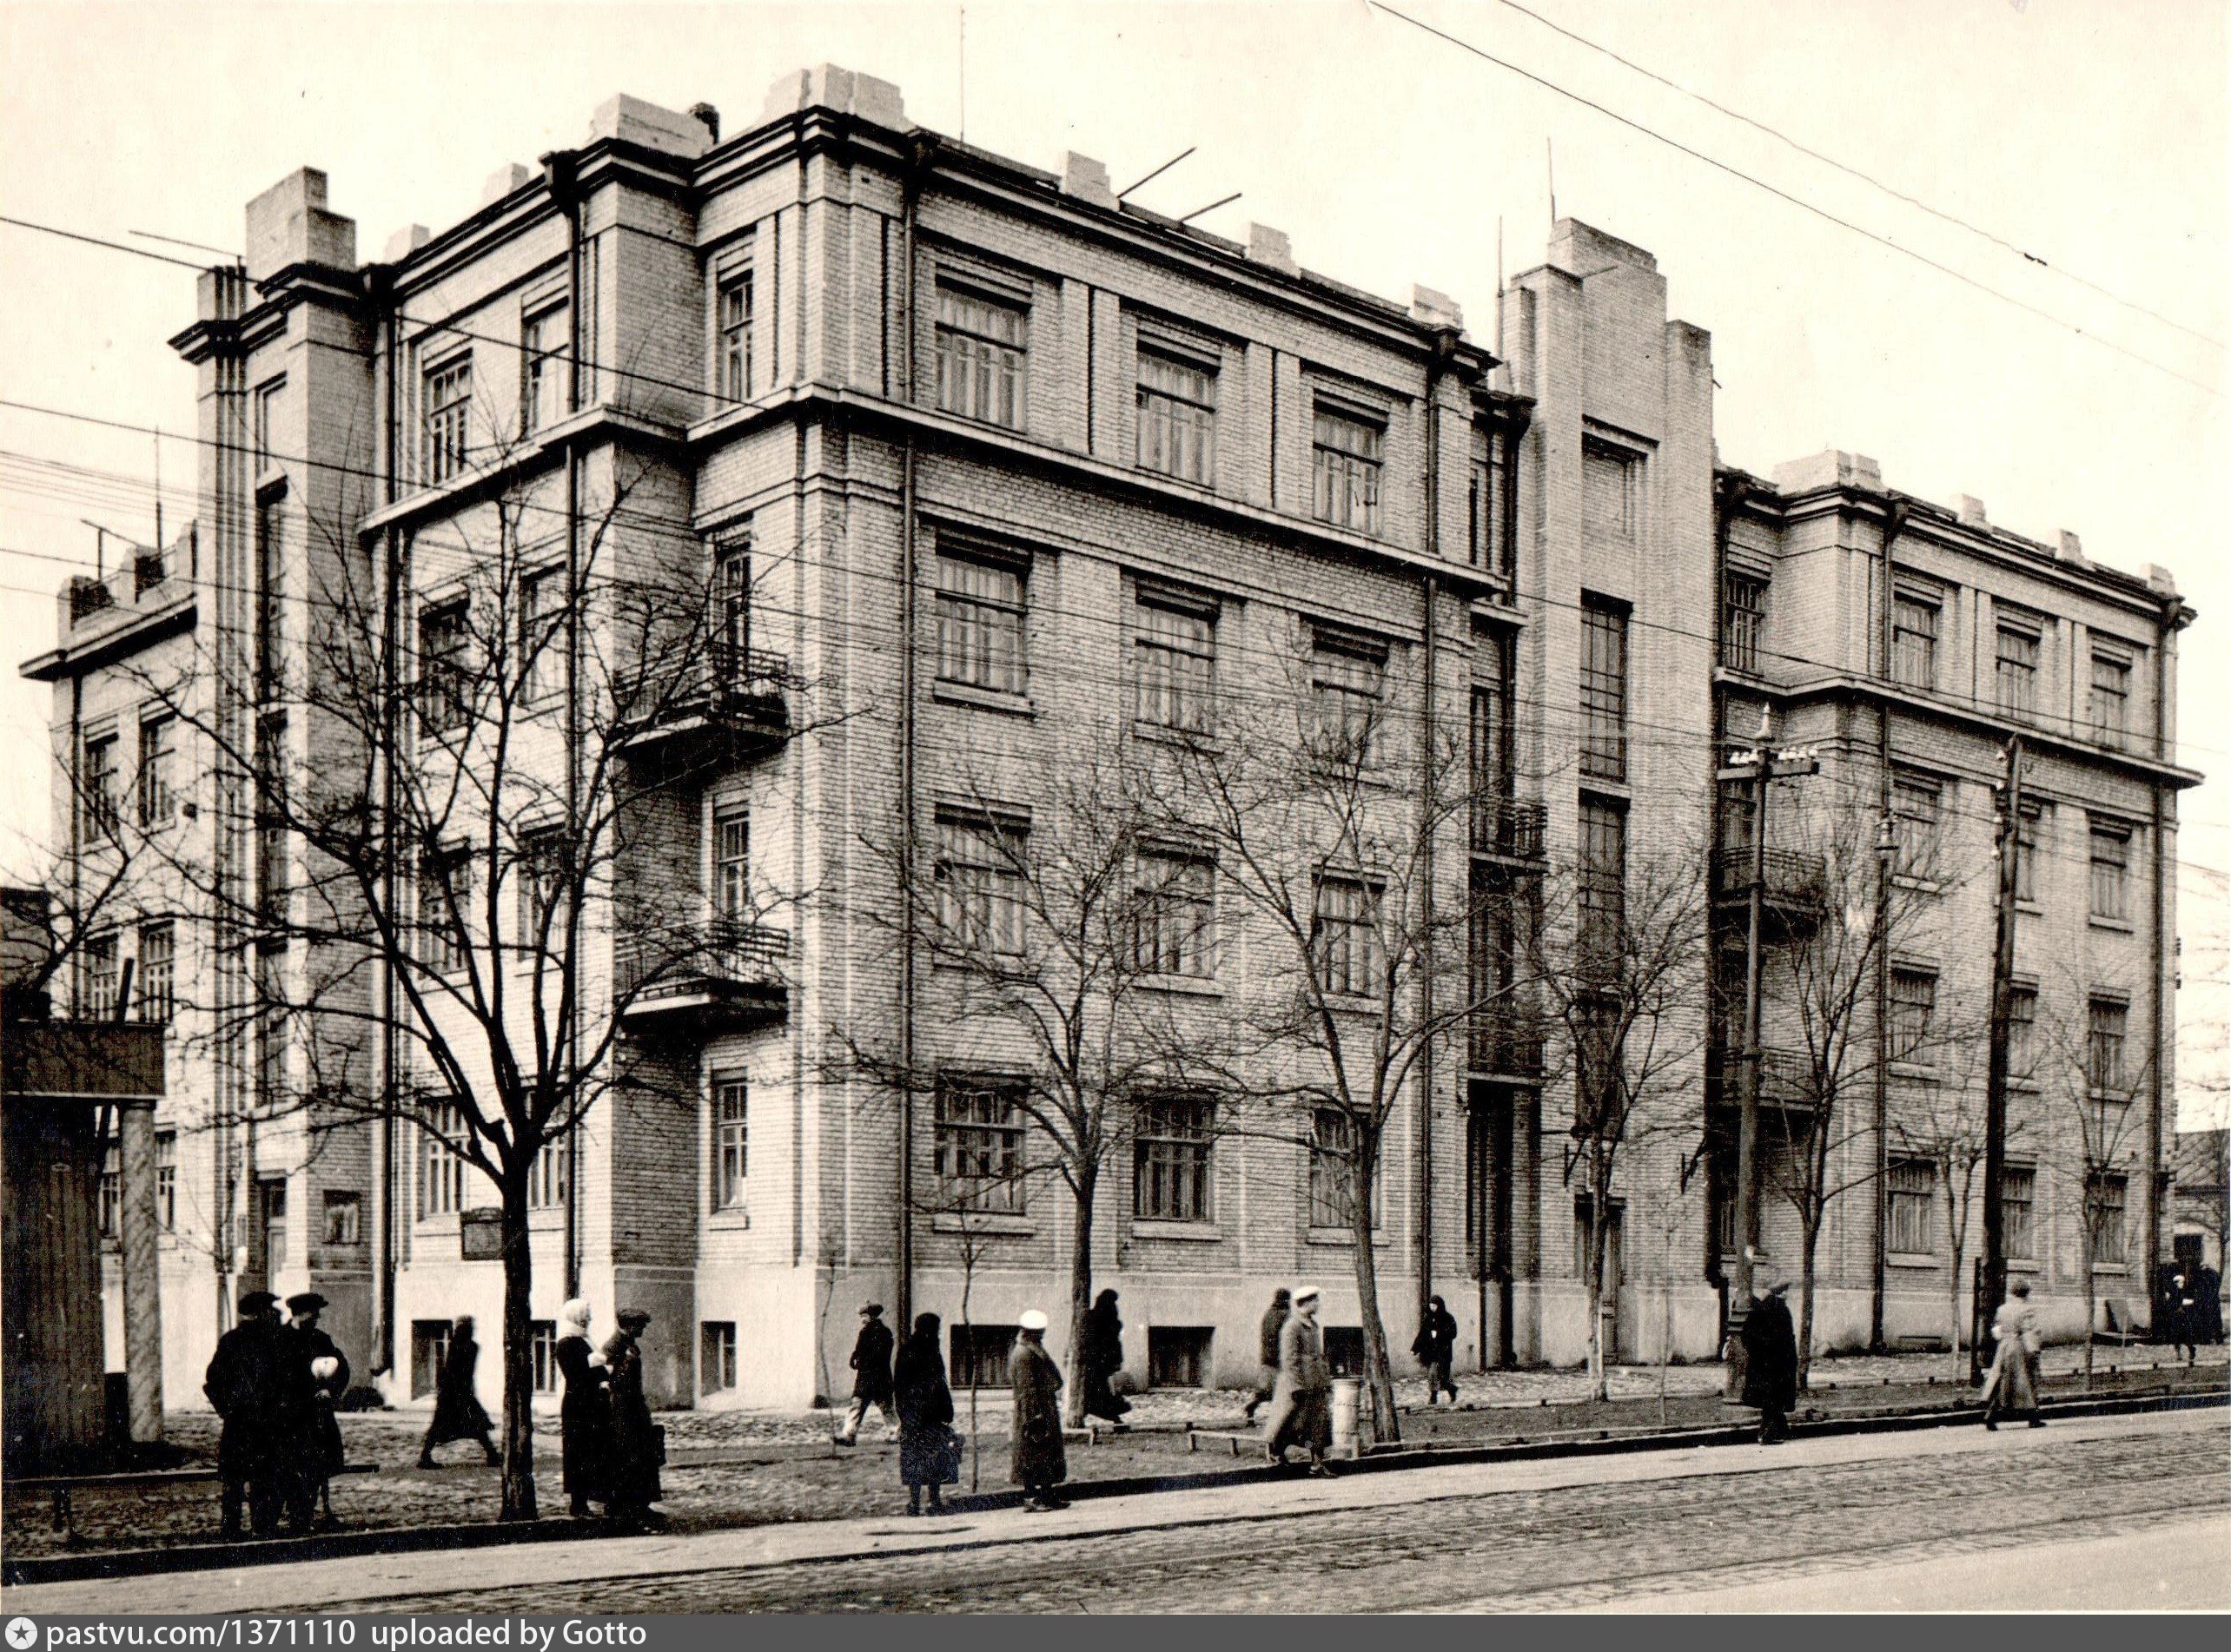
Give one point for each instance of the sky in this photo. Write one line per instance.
(2027, 314)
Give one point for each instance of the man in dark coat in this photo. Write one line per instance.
(1435, 1348)
(1273, 1321)
(872, 1353)
(1103, 1353)
(320, 1455)
(1769, 1376)
(638, 1445)
(1038, 1460)
(458, 1413)
(929, 1454)
(247, 1383)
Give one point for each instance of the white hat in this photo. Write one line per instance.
(1032, 1320)
(1304, 1293)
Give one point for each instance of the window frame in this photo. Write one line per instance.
(2018, 1235)
(1180, 416)
(156, 977)
(166, 1180)
(98, 981)
(1914, 649)
(983, 354)
(101, 809)
(443, 950)
(1910, 1207)
(1347, 464)
(1173, 663)
(1345, 950)
(717, 1357)
(1347, 696)
(1176, 914)
(2106, 1212)
(1594, 453)
(1173, 1162)
(445, 418)
(1919, 833)
(541, 620)
(2111, 701)
(732, 333)
(981, 897)
(965, 1132)
(1606, 663)
(2014, 675)
(730, 847)
(537, 384)
(982, 625)
(1912, 1015)
(730, 1125)
(1743, 625)
(443, 673)
(2107, 1046)
(2110, 873)
(155, 788)
(441, 1168)
(266, 402)
(1331, 1192)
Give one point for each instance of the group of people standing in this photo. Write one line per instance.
(611, 1449)
(276, 1384)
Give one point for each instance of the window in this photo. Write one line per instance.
(542, 1349)
(1914, 625)
(344, 1216)
(2107, 1030)
(545, 879)
(271, 1198)
(731, 865)
(542, 635)
(1344, 936)
(983, 349)
(1912, 1206)
(158, 972)
(1913, 1003)
(2110, 695)
(1177, 416)
(1178, 1356)
(1487, 503)
(2027, 825)
(2018, 1213)
(166, 1180)
(548, 1177)
(1175, 653)
(1602, 883)
(2110, 873)
(716, 1355)
(270, 1027)
(270, 592)
(441, 1167)
(1178, 915)
(1332, 1170)
(1742, 621)
(1347, 684)
(271, 869)
(96, 979)
(445, 667)
(979, 1146)
(542, 390)
(429, 1353)
(158, 776)
(1171, 1174)
(980, 1355)
(731, 1142)
(1347, 453)
(980, 623)
(2107, 1206)
(112, 1194)
(2018, 645)
(263, 419)
(1599, 1064)
(1603, 689)
(1491, 722)
(732, 612)
(445, 399)
(1919, 825)
(980, 883)
(1608, 502)
(97, 788)
(445, 892)
(734, 301)
(2021, 1032)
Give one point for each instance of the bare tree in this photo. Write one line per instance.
(1615, 965)
(1944, 1127)
(452, 764)
(1054, 932)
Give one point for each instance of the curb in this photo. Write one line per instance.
(141, 1563)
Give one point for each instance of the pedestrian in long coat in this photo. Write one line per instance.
(871, 1353)
(1039, 1461)
(248, 1385)
(585, 1414)
(1300, 1406)
(1273, 1321)
(2011, 1385)
(1769, 1372)
(458, 1413)
(638, 1445)
(326, 1368)
(1103, 1354)
(929, 1451)
(1435, 1348)
(2182, 1331)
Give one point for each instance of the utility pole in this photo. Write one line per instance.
(1991, 1268)
(1761, 765)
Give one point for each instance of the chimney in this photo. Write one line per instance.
(288, 224)
(2068, 548)
(404, 242)
(1270, 246)
(630, 120)
(1970, 510)
(1435, 309)
(502, 181)
(826, 86)
(1087, 179)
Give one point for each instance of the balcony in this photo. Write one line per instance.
(1510, 829)
(1505, 1044)
(700, 979)
(721, 705)
(1795, 893)
(1785, 1082)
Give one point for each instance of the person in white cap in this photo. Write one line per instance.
(1039, 1462)
(1300, 1406)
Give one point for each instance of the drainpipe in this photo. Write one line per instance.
(1885, 612)
(1437, 365)
(2162, 946)
(380, 288)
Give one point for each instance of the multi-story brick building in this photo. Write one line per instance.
(997, 469)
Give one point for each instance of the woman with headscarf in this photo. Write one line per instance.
(585, 1415)
(929, 1453)
(2012, 1384)
(1103, 1354)
(1039, 1462)
(638, 1445)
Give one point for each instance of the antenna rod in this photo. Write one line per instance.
(1211, 206)
(199, 246)
(1550, 146)
(1158, 171)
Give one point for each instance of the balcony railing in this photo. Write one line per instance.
(1785, 1079)
(1509, 828)
(725, 697)
(722, 971)
(1793, 877)
(1505, 1044)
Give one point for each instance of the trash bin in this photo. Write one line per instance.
(1347, 1395)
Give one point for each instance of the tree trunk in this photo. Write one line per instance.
(1080, 1299)
(519, 1356)
(1599, 1374)
(1666, 1338)
(1379, 1375)
(1959, 1370)
(1805, 1254)
(2091, 1293)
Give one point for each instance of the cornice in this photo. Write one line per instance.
(145, 629)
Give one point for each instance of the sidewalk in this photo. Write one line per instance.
(368, 1579)
(734, 1469)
